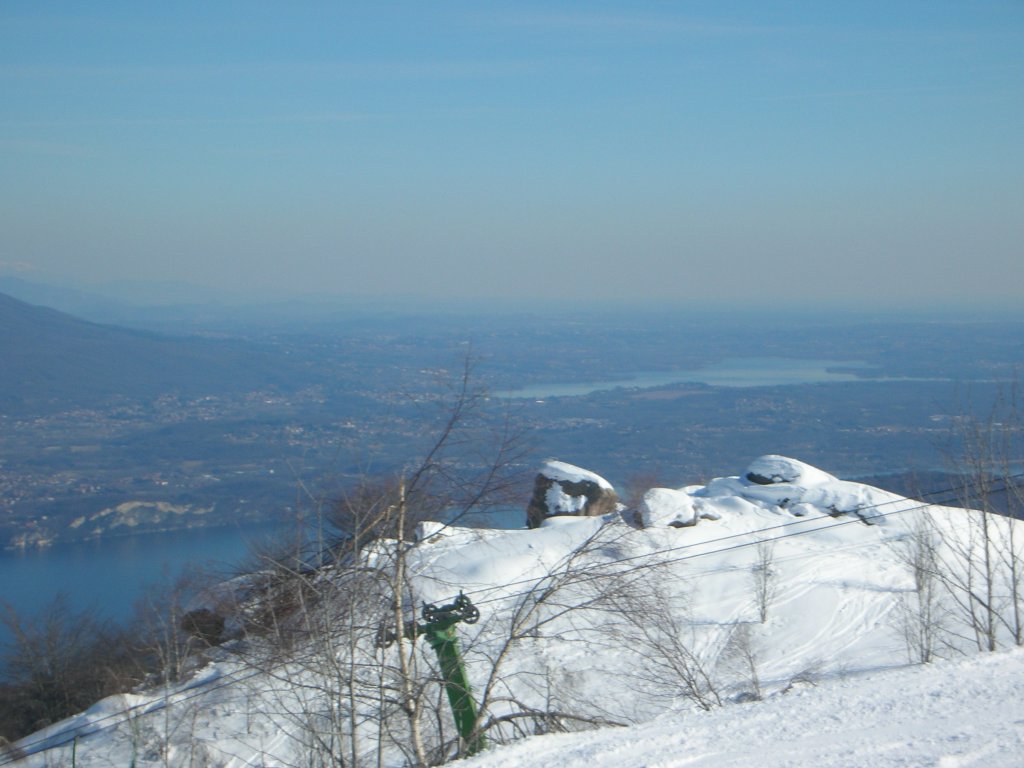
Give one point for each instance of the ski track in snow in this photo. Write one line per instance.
(949, 715)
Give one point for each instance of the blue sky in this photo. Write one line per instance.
(746, 153)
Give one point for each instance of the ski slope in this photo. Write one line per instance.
(948, 715)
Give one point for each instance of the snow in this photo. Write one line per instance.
(782, 469)
(811, 489)
(561, 503)
(560, 470)
(949, 714)
(664, 506)
(830, 659)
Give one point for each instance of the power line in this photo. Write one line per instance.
(758, 532)
(69, 735)
(591, 576)
(72, 733)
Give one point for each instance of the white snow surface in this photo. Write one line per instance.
(948, 715)
(560, 470)
(665, 506)
(561, 503)
(839, 577)
(782, 469)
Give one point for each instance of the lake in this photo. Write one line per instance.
(732, 372)
(110, 575)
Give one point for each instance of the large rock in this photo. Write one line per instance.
(564, 489)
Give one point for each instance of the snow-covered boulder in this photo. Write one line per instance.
(788, 484)
(565, 489)
(773, 469)
(665, 506)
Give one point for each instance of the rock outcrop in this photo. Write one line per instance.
(564, 489)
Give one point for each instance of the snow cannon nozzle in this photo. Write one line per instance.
(461, 609)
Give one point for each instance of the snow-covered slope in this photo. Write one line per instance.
(781, 579)
(948, 715)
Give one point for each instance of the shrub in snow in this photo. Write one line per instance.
(204, 624)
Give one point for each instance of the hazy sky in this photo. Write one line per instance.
(653, 151)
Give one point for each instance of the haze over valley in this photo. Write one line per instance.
(109, 431)
(382, 384)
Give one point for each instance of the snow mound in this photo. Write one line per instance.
(664, 506)
(773, 469)
(780, 484)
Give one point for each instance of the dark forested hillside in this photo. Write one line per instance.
(52, 360)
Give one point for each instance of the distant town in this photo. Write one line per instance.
(358, 403)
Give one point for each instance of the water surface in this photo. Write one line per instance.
(110, 575)
(732, 372)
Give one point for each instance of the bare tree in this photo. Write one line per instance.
(669, 662)
(763, 577)
(389, 700)
(983, 569)
(921, 614)
(574, 601)
(168, 629)
(741, 654)
(57, 663)
(315, 618)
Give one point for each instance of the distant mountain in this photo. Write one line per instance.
(53, 360)
(158, 307)
(71, 300)
(181, 307)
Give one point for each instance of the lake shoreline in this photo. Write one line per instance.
(735, 372)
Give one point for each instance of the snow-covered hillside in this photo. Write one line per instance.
(948, 715)
(783, 584)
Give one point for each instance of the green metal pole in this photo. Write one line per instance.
(446, 644)
(439, 629)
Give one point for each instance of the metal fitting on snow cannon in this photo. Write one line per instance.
(462, 609)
